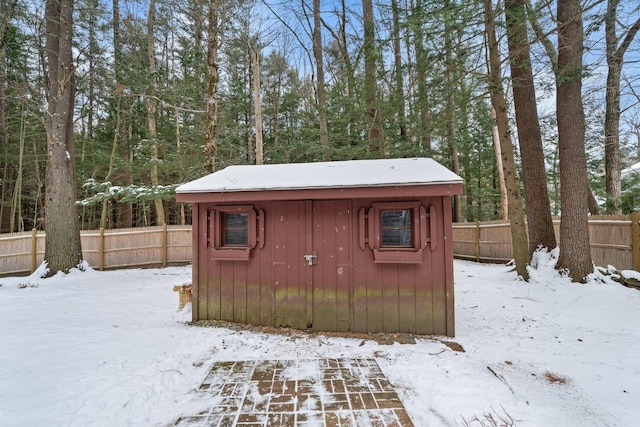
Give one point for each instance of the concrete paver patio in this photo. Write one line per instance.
(310, 392)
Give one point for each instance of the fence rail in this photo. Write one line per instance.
(22, 253)
(615, 240)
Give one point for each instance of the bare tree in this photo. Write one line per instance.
(63, 249)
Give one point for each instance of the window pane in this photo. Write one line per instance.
(396, 228)
(236, 229)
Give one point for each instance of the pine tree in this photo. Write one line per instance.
(63, 249)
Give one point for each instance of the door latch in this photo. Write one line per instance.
(311, 258)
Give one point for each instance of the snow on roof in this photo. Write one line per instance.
(350, 173)
(635, 168)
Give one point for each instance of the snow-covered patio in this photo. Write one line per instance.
(109, 349)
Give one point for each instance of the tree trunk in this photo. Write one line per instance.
(376, 145)
(534, 176)
(575, 252)
(6, 13)
(151, 110)
(112, 161)
(344, 50)
(397, 61)
(63, 249)
(321, 97)
(91, 95)
(125, 218)
(592, 203)
(343, 47)
(210, 136)
(504, 198)
(421, 77)
(615, 59)
(451, 111)
(16, 207)
(612, 135)
(257, 106)
(519, 242)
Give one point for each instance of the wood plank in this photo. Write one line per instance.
(307, 270)
(295, 289)
(226, 289)
(252, 280)
(344, 269)
(635, 240)
(424, 276)
(320, 291)
(407, 282)
(240, 271)
(290, 290)
(445, 309)
(359, 303)
(267, 257)
(325, 286)
(424, 297)
(390, 298)
(253, 269)
(279, 263)
(198, 265)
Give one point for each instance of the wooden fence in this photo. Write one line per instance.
(22, 253)
(615, 240)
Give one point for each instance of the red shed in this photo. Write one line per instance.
(361, 245)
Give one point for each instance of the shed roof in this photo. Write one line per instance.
(340, 174)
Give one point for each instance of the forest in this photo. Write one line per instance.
(165, 91)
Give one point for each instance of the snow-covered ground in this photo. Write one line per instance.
(109, 349)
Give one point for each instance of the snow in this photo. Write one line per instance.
(635, 168)
(351, 173)
(109, 349)
(630, 274)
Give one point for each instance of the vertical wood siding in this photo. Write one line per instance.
(332, 275)
(343, 290)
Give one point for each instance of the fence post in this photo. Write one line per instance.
(165, 248)
(477, 241)
(34, 250)
(101, 250)
(635, 239)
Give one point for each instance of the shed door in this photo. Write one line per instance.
(312, 264)
(332, 275)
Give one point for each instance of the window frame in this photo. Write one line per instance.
(219, 250)
(412, 254)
